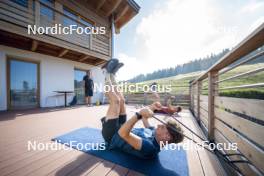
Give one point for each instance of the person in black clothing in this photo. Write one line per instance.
(88, 88)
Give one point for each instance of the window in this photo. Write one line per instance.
(78, 85)
(23, 3)
(69, 21)
(74, 18)
(23, 84)
(45, 10)
(86, 23)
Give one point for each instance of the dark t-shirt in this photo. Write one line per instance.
(88, 83)
(149, 149)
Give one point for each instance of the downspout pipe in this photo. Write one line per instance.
(113, 36)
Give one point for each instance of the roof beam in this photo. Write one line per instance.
(100, 4)
(100, 62)
(116, 4)
(63, 52)
(83, 58)
(121, 13)
(129, 15)
(34, 45)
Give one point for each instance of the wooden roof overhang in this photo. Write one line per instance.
(25, 43)
(122, 10)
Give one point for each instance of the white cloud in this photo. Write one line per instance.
(131, 68)
(182, 31)
(252, 6)
(256, 24)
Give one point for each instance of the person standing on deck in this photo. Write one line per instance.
(88, 88)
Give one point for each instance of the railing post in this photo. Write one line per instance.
(196, 96)
(211, 97)
(31, 8)
(112, 37)
(145, 98)
(90, 41)
(190, 96)
(199, 83)
(58, 18)
(37, 12)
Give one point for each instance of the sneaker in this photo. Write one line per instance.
(117, 67)
(110, 65)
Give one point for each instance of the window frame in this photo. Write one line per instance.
(50, 7)
(18, 2)
(79, 17)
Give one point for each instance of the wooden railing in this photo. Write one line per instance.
(233, 120)
(180, 98)
(31, 15)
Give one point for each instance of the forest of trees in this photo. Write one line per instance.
(192, 66)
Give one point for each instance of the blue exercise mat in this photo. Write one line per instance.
(169, 162)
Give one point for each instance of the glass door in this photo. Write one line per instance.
(23, 84)
(79, 85)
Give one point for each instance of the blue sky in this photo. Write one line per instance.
(166, 33)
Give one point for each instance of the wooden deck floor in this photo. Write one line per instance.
(17, 128)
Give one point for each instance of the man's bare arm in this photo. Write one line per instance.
(145, 122)
(125, 130)
(130, 138)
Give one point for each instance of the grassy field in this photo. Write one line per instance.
(183, 80)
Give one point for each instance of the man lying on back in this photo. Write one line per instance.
(119, 133)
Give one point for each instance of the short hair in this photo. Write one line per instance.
(175, 131)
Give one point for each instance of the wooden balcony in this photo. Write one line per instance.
(227, 119)
(92, 49)
(41, 125)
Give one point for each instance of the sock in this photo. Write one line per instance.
(108, 79)
(113, 80)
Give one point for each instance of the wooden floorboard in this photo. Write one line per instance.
(86, 167)
(210, 164)
(52, 165)
(72, 164)
(118, 170)
(41, 125)
(194, 164)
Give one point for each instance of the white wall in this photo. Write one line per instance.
(3, 98)
(55, 74)
(98, 78)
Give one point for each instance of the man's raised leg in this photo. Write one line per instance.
(114, 100)
(122, 113)
(119, 94)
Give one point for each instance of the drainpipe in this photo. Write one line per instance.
(112, 43)
(112, 35)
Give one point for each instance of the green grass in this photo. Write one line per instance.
(183, 80)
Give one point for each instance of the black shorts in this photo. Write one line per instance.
(111, 126)
(88, 92)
